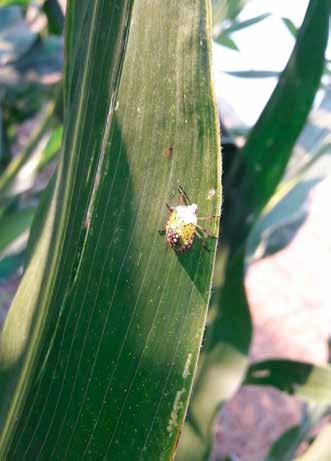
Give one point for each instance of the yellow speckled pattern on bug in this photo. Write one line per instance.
(184, 230)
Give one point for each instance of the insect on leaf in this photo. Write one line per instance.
(99, 348)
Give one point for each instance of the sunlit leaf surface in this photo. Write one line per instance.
(99, 348)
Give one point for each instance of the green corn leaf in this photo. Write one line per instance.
(288, 207)
(290, 26)
(13, 224)
(253, 73)
(4, 144)
(14, 227)
(14, 2)
(52, 147)
(227, 42)
(34, 145)
(55, 16)
(99, 348)
(270, 143)
(307, 381)
(286, 446)
(9, 264)
(320, 448)
(226, 9)
(239, 25)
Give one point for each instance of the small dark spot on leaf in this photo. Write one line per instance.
(168, 151)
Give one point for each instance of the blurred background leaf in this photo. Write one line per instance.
(253, 73)
(265, 155)
(305, 380)
(290, 26)
(13, 226)
(226, 9)
(16, 38)
(251, 176)
(223, 36)
(227, 42)
(30, 65)
(320, 447)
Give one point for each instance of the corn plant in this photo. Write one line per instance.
(99, 350)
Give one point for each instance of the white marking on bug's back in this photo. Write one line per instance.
(178, 404)
(187, 213)
(186, 372)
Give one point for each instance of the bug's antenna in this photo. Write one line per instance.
(184, 194)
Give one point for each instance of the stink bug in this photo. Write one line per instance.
(182, 225)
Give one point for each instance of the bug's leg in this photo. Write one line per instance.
(202, 241)
(162, 231)
(170, 208)
(206, 232)
(184, 199)
(208, 218)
